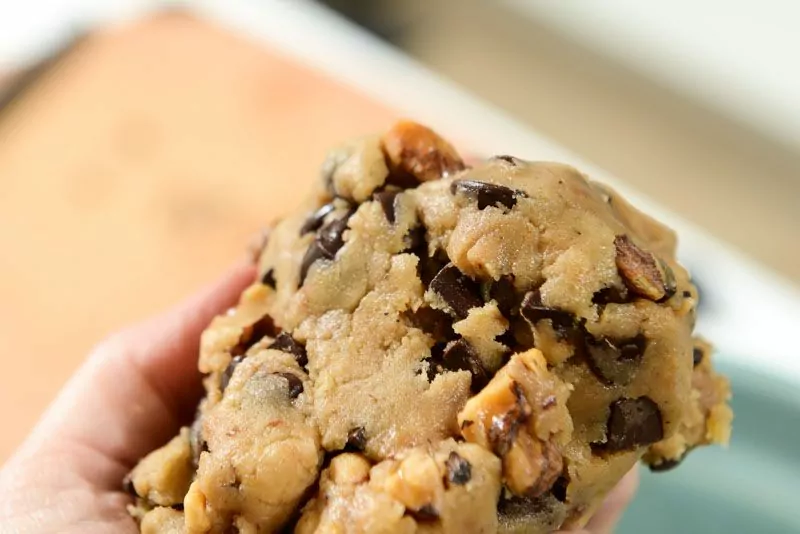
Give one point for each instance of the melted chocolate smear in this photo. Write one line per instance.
(613, 361)
(632, 423)
(505, 294)
(511, 160)
(286, 343)
(269, 278)
(559, 489)
(459, 470)
(487, 194)
(461, 356)
(388, 202)
(356, 440)
(314, 222)
(459, 291)
(435, 323)
(228, 372)
(667, 465)
(425, 514)
(611, 295)
(295, 384)
(697, 356)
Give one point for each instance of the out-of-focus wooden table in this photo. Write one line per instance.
(137, 169)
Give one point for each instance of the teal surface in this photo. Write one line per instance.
(752, 487)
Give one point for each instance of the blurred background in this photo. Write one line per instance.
(143, 143)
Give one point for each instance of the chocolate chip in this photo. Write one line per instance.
(252, 334)
(314, 253)
(388, 201)
(687, 294)
(286, 343)
(331, 236)
(564, 323)
(177, 506)
(643, 272)
(269, 278)
(225, 379)
(559, 489)
(459, 355)
(504, 427)
(127, 486)
(415, 241)
(295, 384)
(505, 294)
(356, 439)
(697, 356)
(611, 295)
(615, 362)
(508, 159)
(487, 194)
(316, 219)
(507, 338)
(666, 465)
(197, 443)
(425, 514)
(457, 290)
(435, 323)
(459, 470)
(466, 424)
(633, 423)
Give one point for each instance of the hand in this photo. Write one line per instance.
(130, 396)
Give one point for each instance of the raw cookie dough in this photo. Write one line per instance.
(436, 348)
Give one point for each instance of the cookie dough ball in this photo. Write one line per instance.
(436, 348)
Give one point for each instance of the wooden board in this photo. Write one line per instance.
(136, 169)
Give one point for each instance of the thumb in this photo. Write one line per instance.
(129, 396)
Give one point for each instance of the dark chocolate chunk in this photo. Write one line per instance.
(615, 362)
(295, 384)
(504, 427)
(487, 194)
(666, 465)
(425, 514)
(633, 423)
(507, 338)
(559, 489)
(331, 236)
(316, 219)
(459, 470)
(505, 294)
(269, 278)
(511, 160)
(314, 253)
(228, 372)
(388, 201)
(697, 356)
(460, 356)
(356, 439)
(564, 323)
(415, 241)
(611, 295)
(286, 343)
(435, 323)
(459, 291)
(252, 334)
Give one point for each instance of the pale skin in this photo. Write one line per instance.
(129, 397)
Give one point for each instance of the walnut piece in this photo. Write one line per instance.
(412, 149)
(644, 273)
(510, 417)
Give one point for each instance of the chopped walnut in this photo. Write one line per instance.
(512, 417)
(643, 272)
(413, 149)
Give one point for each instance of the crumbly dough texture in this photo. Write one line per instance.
(436, 348)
